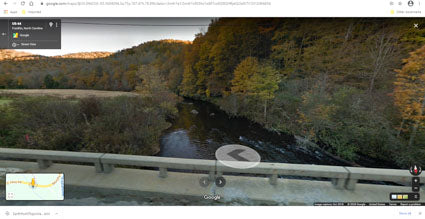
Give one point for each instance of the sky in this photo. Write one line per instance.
(113, 34)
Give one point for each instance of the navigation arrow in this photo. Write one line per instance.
(220, 181)
(228, 154)
(204, 181)
(235, 154)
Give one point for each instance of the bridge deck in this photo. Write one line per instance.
(286, 191)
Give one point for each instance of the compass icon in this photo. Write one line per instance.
(415, 170)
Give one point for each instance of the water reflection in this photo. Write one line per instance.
(178, 145)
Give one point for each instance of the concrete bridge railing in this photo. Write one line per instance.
(341, 177)
(45, 158)
(163, 163)
(337, 174)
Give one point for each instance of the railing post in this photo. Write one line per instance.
(339, 183)
(162, 172)
(351, 184)
(98, 167)
(43, 164)
(219, 174)
(211, 175)
(107, 168)
(273, 178)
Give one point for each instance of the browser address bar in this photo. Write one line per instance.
(213, 8)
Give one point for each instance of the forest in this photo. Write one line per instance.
(352, 86)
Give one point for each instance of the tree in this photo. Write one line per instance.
(381, 50)
(49, 82)
(410, 91)
(154, 87)
(188, 86)
(264, 84)
(243, 74)
(175, 79)
(256, 81)
(20, 82)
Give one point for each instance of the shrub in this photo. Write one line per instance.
(50, 123)
(9, 129)
(126, 125)
(123, 124)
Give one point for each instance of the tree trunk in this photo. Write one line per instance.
(265, 111)
(348, 33)
(380, 54)
(401, 126)
(372, 81)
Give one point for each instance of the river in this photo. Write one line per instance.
(199, 134)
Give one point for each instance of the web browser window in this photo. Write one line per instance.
(215, 108)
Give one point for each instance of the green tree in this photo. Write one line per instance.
(49, 82)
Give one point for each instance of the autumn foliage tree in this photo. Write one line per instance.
(410, 92)
(243, 75)
(256, 81)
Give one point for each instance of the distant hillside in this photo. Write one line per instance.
(85, 55)
(15, 55)
(9, 54)
(66, 93)
(94, 70)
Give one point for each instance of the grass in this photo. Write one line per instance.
(4, 101)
